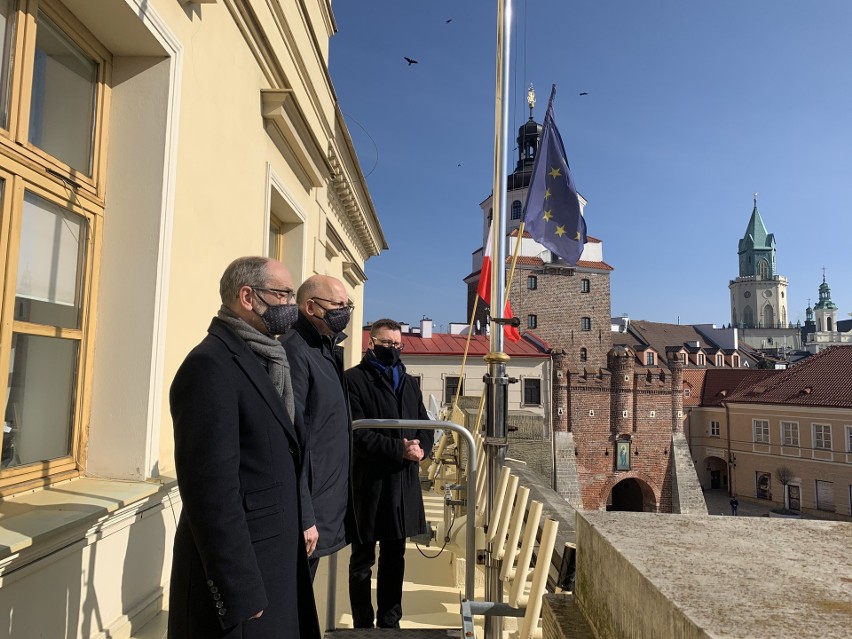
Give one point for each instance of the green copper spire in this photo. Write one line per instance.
(825, 295)
(757, 248)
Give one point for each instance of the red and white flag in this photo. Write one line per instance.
(483, 289)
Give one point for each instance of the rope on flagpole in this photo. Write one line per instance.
(466, 347)
(514, 259)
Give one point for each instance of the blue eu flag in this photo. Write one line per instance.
(553, 215)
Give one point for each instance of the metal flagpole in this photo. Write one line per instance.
(497, 380)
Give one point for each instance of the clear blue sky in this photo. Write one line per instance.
(692, 107)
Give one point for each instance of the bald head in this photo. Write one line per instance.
(317, 295)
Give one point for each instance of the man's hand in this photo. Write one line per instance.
(311, 537)
(411, 450)
(257, 616)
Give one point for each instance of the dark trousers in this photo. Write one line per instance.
(388, 586)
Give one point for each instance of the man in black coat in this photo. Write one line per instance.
(322, 415)
(240, 569)
(388, 500)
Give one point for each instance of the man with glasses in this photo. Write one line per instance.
(386, 476)
(239, 565)
(322, 415)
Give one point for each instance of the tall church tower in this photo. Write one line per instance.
(759, 294)
(568, 307)
(825, 311)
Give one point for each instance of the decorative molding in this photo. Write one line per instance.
(280, 109)
(347, 199)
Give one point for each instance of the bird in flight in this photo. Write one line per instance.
(409, 60)
(584, 93)
(448, 21)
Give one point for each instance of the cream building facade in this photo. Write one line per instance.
(144, 144)
(779, 437)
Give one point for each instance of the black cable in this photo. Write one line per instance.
(446, 538)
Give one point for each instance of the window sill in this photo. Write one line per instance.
(46, 519)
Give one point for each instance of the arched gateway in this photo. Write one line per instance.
(632, 495)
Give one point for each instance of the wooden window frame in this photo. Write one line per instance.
(823, 436)
(764, 432)
(526, 381)
(27, 168)
(794, 430)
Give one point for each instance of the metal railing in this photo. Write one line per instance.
(470, 523)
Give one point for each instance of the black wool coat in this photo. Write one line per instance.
(388, 500)
(324, 425)
(239, 547)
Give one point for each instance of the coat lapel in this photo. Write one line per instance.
(249, 364)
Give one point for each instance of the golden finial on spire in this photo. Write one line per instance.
(531, 99)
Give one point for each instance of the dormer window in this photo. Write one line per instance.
(683, 358)
(735, 360)
(649, 358)
(720, 360)
(700, 359)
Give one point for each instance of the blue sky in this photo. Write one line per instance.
(692, 107)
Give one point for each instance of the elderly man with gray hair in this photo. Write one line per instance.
(240, 566)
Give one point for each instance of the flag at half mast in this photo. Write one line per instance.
(552, 214)
(483, 289)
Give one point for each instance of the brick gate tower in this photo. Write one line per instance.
(612, 426)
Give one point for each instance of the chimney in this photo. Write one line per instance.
(426, 328)
(404, 328)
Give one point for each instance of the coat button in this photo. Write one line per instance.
(216, 596)
(222, 612)
(214, 590)
(292, 452)
(209, 582)
(219, 604)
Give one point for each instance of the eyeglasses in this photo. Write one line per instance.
(284, 295)
(347, 304)
(388, 343)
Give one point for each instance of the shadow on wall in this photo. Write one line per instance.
(65, 594)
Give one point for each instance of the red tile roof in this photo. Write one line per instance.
(695, 378)
(599, 265)
(721, 383)
(820, 380)
(449, 344)
(589, 238)
(526, 260)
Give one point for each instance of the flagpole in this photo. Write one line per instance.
(497, 380)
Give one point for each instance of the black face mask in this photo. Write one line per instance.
(279, 319)
(337, 318)
(387, 355)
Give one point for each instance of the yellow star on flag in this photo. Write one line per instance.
(555, 172)
(560, 231)
(546, 193)
(547, 216)
(578, 236)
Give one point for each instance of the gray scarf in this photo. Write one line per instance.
(270, 349)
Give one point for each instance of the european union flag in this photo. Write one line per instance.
(553, 215)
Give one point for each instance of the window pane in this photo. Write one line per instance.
(7, 33)
(50, 264)
(40, 395)
(62, 108)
